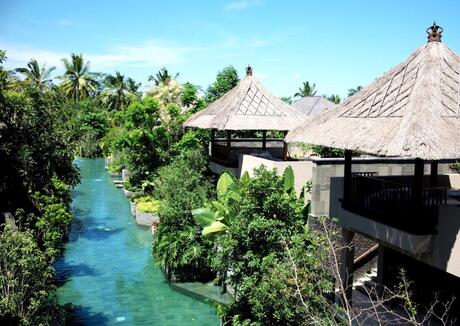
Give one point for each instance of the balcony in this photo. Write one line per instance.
(228, 156)
(395, 202)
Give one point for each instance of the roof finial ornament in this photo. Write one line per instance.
(434, 33)
(248, 70)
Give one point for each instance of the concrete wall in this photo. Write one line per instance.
(302, 169)
(324, 169)
(441, 250)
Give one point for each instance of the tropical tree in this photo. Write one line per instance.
(307, 89)
(225, 81)
(162, 77)
(189, 96)
(334, 98)
(287, 99)
(78, 82)
(36, 75)
(353, 91)
(133, 87)
(118, 94)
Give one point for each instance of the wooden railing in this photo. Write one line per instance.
(221, 154)
(394, 203)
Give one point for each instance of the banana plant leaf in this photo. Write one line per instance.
(204, 216)
(214, 229)
(288, 179)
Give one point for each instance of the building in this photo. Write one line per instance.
(246, 116)
(313, 105)
(411, 113)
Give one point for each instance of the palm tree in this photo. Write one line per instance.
(78, 82)
(334, 98)
(133, 87)
(353, 91)
(286, 99)
(306, 90)
(162, 77)
(117, 94)
(35, 75)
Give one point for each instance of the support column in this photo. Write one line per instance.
(418, 181)
(213, 139)
(229, 144)
(434, 174)
(346, 268)
(264, 139)
(380, 269)
(285, 148)
(347, 176)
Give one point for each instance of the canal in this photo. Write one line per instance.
(107, 272)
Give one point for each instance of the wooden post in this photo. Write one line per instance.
(264, 139)
(213, 139)
(418, 181)
(347, 175)
(285, 148)
(346, 268)
(380, 269)
(434, 174)
(229, 144)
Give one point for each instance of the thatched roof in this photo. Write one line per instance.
(411, 111)
(313, 105)
(248, 106)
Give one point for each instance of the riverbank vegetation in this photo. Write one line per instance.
(36, 158)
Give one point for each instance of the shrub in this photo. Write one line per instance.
(265, 215)
(181, 187)
(147, 204)
(26, 278)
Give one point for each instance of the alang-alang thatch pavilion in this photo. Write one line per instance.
(247, 107)
(411, 111)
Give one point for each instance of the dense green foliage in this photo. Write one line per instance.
(36, 156)
(178, 245)
(225, 81)
(324, 151)
(260, 228)
(147, 204)
(26, 279)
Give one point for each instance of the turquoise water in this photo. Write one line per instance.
(107, 271)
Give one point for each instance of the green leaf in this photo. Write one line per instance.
(234, 195)
(288, 179)
(245, 178)
(215, 228)
(225, 181)
(204, 216)
(219, 207)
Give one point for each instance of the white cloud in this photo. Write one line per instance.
(296, 76)
(241, 5)
(146, 54)
(236, 5)
(65, 22)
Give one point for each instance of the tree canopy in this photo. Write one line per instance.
(225, 81)
(307, 89)
(78, 82)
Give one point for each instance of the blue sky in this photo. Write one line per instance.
(335, 44)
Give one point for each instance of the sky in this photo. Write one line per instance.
(335, 44)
